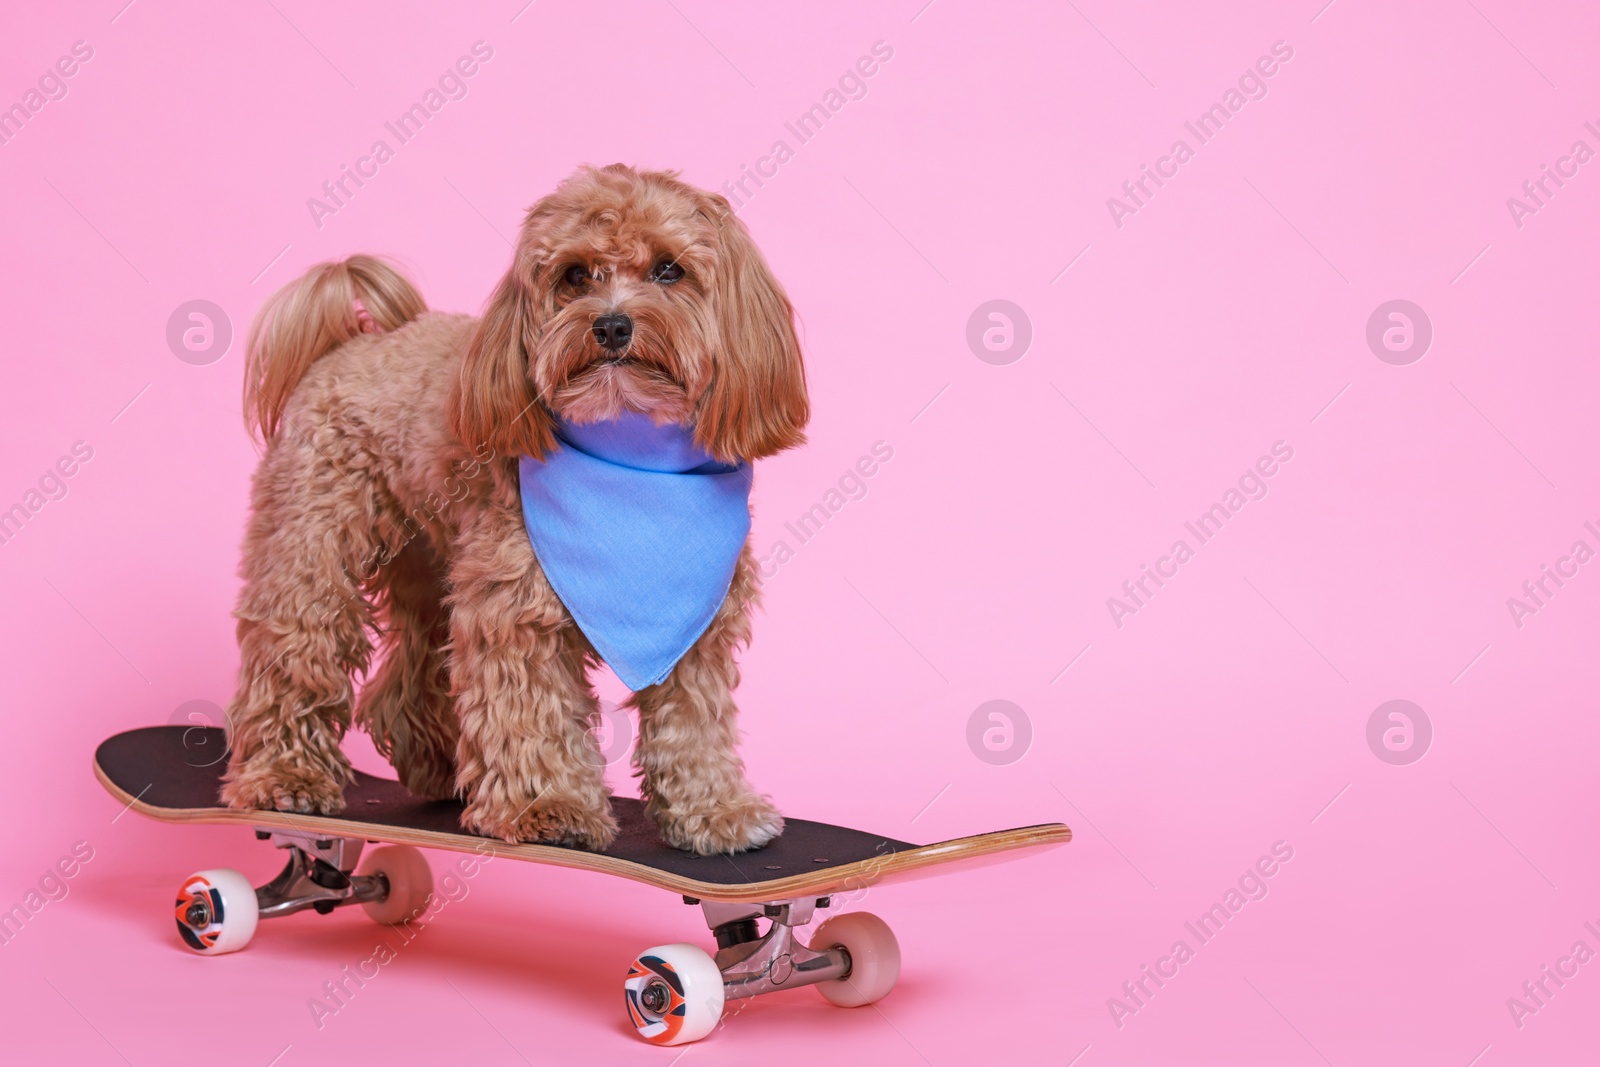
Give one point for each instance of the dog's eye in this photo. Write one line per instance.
(576, 275)
(666, 272)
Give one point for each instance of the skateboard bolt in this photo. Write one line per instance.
(655, 997)
(781, 969)
(197, 915)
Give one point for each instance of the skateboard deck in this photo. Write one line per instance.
(674, 993)
(173, 773)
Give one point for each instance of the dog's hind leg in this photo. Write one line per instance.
(405, 706)
(303, 624)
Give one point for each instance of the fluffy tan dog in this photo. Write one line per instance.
(387, 511)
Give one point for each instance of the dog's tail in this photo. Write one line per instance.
(310, 317)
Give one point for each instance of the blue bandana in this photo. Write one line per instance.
(639, 532)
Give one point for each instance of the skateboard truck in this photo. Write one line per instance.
(217, 910)
(752, 964)
(318, 875)
(676, 993)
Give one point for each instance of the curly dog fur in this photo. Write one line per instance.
(387, 518)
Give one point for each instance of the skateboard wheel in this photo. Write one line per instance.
(217, 912)
(874, 958)
(410, 883)
(674, 994)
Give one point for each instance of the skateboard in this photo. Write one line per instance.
(674, 993)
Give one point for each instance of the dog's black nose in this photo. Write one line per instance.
(613, 332)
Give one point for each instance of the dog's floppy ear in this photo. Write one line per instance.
(756, 402)
(494, 403)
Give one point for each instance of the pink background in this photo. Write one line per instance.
(1224, 316)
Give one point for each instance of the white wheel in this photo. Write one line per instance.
(674, 994)
(410, 883)
(874, 958)
(217, 911)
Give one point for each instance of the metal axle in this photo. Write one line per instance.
(752, 965)
(317, 875)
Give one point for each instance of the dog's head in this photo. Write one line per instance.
(633, 291)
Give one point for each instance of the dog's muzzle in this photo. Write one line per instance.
(613, 332)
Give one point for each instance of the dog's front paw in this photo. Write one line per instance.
(277, 787)
(748, 822)
(546, 821)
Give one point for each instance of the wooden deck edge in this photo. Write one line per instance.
(990, 847)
